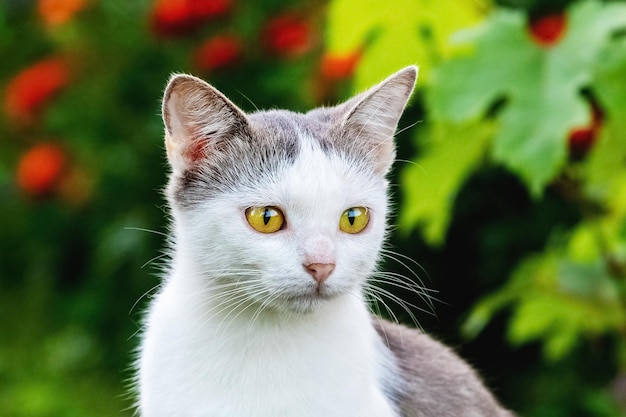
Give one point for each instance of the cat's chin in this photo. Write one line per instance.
(303, 300)
(304, 303)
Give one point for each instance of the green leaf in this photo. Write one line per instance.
(395, 34)
(484, 311)
(432, 183)
(555, 300)
(540, 86)
(465, 87)
(583, 244)
(605, 167)
(609, 81)
(541, 317)
(605, 182)
(560, 320)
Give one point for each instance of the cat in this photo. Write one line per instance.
(278, 221)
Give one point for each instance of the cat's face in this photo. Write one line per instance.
(280, 209)
(307, 200)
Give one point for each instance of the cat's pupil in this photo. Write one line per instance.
(267, 215)
(351, 217)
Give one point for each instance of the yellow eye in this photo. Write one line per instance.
(354, 220)
(266, 219)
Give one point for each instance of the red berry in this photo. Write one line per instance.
(547, 30)
(288, 35)
(172, 18)
(581, 139)
(218, 52)
(339, 66)
(57, 12)
(208, 9)
(40, 169)
(31, 89)
(180, 17)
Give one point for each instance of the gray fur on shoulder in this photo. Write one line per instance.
(435, 382)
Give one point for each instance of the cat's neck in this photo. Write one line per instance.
(327, 358)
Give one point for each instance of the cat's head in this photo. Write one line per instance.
(279, 208)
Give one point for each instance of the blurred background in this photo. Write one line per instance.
(510, 189)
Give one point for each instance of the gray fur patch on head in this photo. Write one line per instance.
(214, 147)
(267, 145)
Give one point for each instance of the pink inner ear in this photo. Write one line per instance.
(196, 151)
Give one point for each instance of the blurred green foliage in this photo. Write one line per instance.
(512, 189)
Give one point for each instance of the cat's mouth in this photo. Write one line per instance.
(307, 301)
(313, 295)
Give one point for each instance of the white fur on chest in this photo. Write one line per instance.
(322, 364)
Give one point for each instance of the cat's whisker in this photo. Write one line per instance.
(140, 329)
(152, 290)
(156, 258)
(259, 294)
(219, 297)
(396, 284)
(241, 305)
(228, 304)
(249, 100)
(409, 127)
(395, 256)
(397, 281)
(372, 302)
(225, 278)
(267, 302)
(425, 293)
(380, 322)
(402, 303)
(379, 300)
(142, 229)
(222, 297)
(408, 162)
(226, 290)
(400, 259)
(429, 293)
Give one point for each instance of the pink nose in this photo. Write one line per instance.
(320, 272)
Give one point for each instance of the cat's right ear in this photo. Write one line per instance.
(373, 116)
(198, 120)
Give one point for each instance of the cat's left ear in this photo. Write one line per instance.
(374, 116)
(198, 119)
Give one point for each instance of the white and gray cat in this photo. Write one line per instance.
(278, 221)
